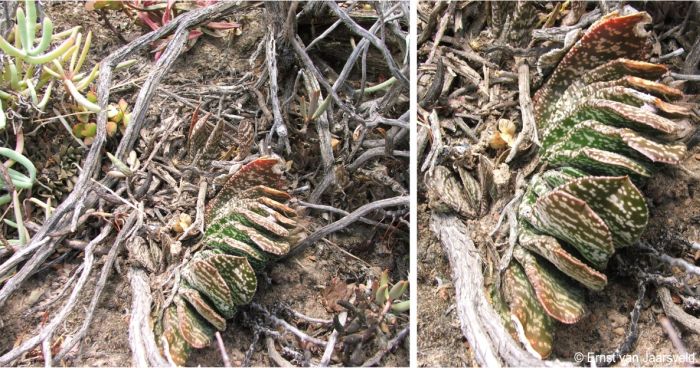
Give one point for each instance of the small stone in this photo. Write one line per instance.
(619, 331)
(175, 249)
(617, 319)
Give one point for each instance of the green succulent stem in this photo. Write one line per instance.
(401, 307)
(32, 92)
(24, 37)
(48, 210)
(19, 180)
(398, 290)
(64, 34)
(31, 20)
(14, 76)
(379, 87)
(121, 166)
(83, 54)
(21, 229)
(125, 64)
(79, 98)
(45, 100)
(57, 52)
(85, 82)
(3, 119)
(51, 72)
(321, 108)
(45, 42)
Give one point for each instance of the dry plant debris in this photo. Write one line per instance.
(139, 203)
(566, 187)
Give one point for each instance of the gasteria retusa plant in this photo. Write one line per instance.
(606, 124)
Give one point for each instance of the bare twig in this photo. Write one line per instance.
(222, 349)
(349, 219)
(435, 146)
(491, 343)
(688, 77)
(444, 21)
(125, 233)
(376, 42)
(372, 153)
(324, 138)
(330, 348)
(342, 212)
(287, 326)
(68, 307)
(198, 224)
(142, 341)
(279, 126)
(309, 319)
(275, 356)
(632, 331)
(529, 130)
(20, 255)
(391, 345)
(670, 330)
(677, 313)
(681, 263)
(46, 351)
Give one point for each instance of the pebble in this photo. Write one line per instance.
(619, 331)
(617, 319)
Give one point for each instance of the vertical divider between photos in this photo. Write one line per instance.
(413, 185)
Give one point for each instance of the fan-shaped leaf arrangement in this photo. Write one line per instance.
(606, 123)
(248, 226)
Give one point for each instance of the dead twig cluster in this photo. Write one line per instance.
(344, 134)
(479, 65)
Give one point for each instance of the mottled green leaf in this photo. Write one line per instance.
(620, 115)
(619, 91)
(601, 112)
(177, 346)
(625, 141)
(650, 87)
(272, 246)
(502, 309)
(621, 67)
(238, 227)
(566, 217)
(248, 226)
(193, 328)
(263, 171)
(277, 206)
(635, 98)
(610, 38)
(535, 328)
(264, 223)
(238, 275)
(230, 245)
(549, 248)
(560, 298)
(617, 201)
(597, 161)
(264, 191)
(446, 194)
(284, 220)
(202, 307)
(205, 278)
